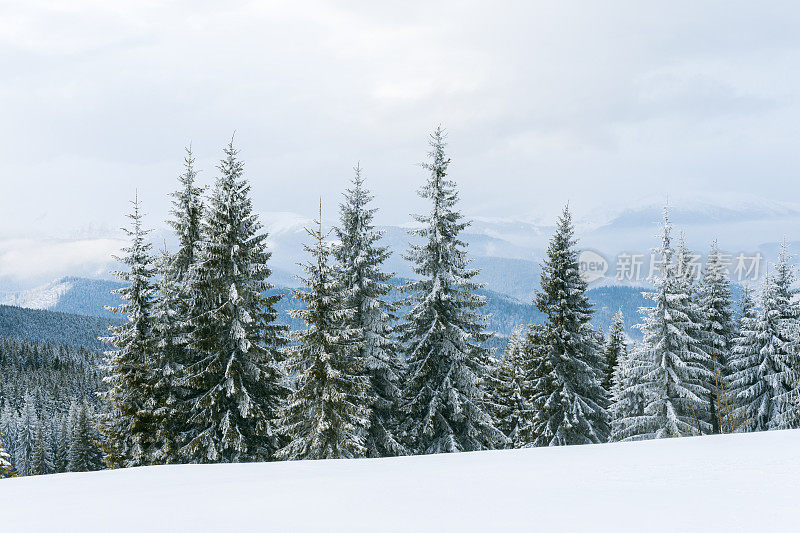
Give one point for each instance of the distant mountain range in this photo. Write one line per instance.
(79, 304)
(80, 296)
(506, 251)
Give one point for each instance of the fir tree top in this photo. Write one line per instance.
(562, 296)
(784, 280)
(138, 258)
(358, 252)
(187, 213)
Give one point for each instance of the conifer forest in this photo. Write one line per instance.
(199, 370)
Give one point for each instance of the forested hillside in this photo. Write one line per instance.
(47, 405)
(53, 327)
(88, 298)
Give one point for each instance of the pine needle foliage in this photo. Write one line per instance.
(328, 413)
(235, 379)
(444, 332)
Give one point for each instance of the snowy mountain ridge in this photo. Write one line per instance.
(44, 297)
(740, 225)
(74, 295)
(91, 297)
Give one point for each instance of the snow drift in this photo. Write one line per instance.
(745, 482)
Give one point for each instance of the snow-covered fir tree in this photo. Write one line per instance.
(749, 380)
(627, 396)
(762, 371)
(63, 438)
(187, 217)
(328, 413)
(235, 380)
(688, 270)
(539, 381)
(513, 413)
(671, 369)
(360, 258)
(26, 436)
(614, 350)
(576, 412)
(84, 452)
(127, 424)
(174, 310)
(788, 358)
(444, 394)
(719, 329)
(8, 430)
(42, 462)
(6, 468)
(167, 366)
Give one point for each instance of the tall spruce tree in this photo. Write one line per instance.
(42, 462)
(26, 436)
(764, 366)
(175, 308)
(719, 330)
(613, 351)
(787, 358)
(628, 396)
(689, 274)
(751, 369)
(128, 422)
(235, 380)
(513, 413)
(576, 411)
(187, 218)
(328, 413)
(62, 438)
(84, 452)
(168, 366)
(447, 365)
(360, 258)
(672, 368)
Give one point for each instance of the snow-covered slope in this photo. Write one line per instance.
(43, 297)
(74, 295)
(724, 483)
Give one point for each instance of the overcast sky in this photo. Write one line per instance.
(598, 103)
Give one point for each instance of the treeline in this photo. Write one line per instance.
(202, 372)
(703, 367)
(706, 364)
(48, 405)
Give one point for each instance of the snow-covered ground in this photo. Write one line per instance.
(723, 483)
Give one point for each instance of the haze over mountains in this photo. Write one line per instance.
(507, 251)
